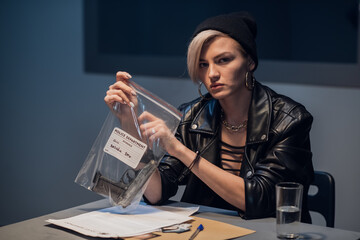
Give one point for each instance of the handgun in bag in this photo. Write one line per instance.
(124, 191)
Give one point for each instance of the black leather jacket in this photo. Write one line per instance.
(277, 149)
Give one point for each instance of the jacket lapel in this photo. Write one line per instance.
(207, 119)
(259, 116)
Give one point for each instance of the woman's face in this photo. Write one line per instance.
(222, 67)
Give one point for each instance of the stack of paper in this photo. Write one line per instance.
(113, 223)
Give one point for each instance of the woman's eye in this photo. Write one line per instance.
(224, 60)
(203, 65)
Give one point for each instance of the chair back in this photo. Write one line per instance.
(323, 201)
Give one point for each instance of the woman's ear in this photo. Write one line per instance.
(251, 64)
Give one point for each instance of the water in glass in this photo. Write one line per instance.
(287, 221)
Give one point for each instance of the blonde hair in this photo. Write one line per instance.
(195, 48)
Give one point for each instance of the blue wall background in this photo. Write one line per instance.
(51, 112)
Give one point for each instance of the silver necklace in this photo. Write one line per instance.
(232, 128)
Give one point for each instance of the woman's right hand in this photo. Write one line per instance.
(124, 96)
(120, 91)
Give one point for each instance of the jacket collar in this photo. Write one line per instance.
(207, 119)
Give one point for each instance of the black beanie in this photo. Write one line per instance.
(240, 26)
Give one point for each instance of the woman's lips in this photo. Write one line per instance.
(216, 86)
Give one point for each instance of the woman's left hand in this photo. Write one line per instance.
(156, 131)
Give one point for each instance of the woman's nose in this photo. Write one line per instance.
(213, 72)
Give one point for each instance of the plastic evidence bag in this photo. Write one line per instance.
(121, 160)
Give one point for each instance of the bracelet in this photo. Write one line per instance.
(187, 170)
(196, 159)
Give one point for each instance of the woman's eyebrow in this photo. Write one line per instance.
(218, 56)
(222, 54)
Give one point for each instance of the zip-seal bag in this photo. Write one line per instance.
(121, 160)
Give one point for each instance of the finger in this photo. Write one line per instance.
(113, 92)
(123, 87)
(156, 132)
(154, 128)
(120, 76)
(148, 125)
(154, 135)
(147, 116)
(110, 100)
(120, 96)
(125, 98)
(153, 131)
(131, 101)
(148, 132)
(119, 93)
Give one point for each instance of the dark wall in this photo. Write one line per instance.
(50, 112)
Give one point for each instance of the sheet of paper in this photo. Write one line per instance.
(112, 222)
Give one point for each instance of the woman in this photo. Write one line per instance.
(235, 143)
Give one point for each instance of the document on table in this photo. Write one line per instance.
(113, 223)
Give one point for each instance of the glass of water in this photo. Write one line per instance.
(288, 209)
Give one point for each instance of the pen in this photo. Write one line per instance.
(200, 228)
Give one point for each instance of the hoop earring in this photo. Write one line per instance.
(199, 90)
(249, 85)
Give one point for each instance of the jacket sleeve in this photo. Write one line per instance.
(170, 168)
(286, 157)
